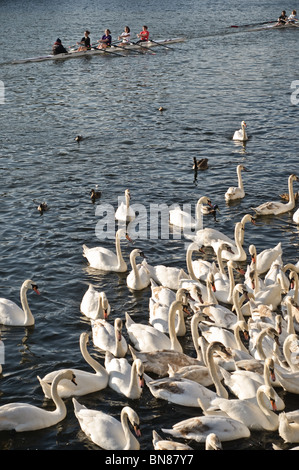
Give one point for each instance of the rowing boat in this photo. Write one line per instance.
(73, 53)
(278, 26)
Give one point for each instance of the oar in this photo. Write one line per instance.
(142, 47)
(104, 51)
(125, 49)
(255, 24)
(159, 44)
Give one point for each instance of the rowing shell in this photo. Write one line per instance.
(278, 26)
(111, 50)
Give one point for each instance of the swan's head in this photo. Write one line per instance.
(28, 284)
(205, 200)
(136, 253)
(211, 281)
(65, 374)
(243, 124)
(213, 442)
(217, 346)
(104, 304)
(272, 333)
(118, 325)
(252, 252)
(133, 418)
(269, 363)
(294, 177)
(127, 194)
(140, 372)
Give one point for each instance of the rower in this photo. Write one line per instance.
(144, 35)
(85, 41)
(292, 18)
(106, 40)
(282, 19)
(58, 48)
(125, 37)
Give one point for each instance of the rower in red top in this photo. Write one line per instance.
(144, 35)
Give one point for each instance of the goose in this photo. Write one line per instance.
(186, 392)
(184, 220)
(95, 304)
(94, 195)
(146, 338)
(201, 164)
(256, 416)
(106, 431)
(139, 277)
(125, 378)
(241, 135)
(262, 262)
(105, 259)
(163, 444)
(296, 216)
(22, 417)
(199, 427)
(124, 212)
(236, 192)
(86, 382)
(109, 337)
(288, 430)
(275, 208)
(11, 314)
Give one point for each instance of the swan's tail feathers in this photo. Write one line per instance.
(77, 406)
(85, 248)
(46, 387)
(108, 357)
(156, 437)
(129, 320)
(133, 352)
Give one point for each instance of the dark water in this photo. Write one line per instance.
(207, 85)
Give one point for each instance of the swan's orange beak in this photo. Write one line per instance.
(35, 288)
(105, 314)
(273, 404)
(141, 381)
(137, 430)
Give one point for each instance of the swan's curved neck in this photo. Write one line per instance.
(291, 192)
(231, 282)
(60, 405)
(240, 181)
(220, 261)
(259, 346)
(195, 336)
(220, 389)
(28, 317)
(118, 341)
(260, 397)
(128, 435)
(198, 216)
(239, 238)
(175, 344)
(97, 367)
(236, 302)
(237, 330)
(287, 353)
(189, 263)
(119, 255)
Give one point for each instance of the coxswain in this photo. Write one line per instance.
(85, 42)
(144, 35)
(58, 48)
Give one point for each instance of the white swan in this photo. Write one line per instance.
(256, 416)
(124, 212)
(139, 277)
(95, 304)
(25, 417)
(86, 382)
(274, 207)
(109, 337)
(241, 134)
(164, 444)
(236, 192)
(199, 427)
(288, 430)
(296, 217)
(158, 314)
(106, 431)
(125, 378)
(105, 259)
(146, 338)
(262, 262)
(184, 220)
(270, 295)
(11, 314)
(186, 392)
(167, 276)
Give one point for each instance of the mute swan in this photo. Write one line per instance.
(184, 219)
(124, 212)
(258, 342)
(139, 277)
(146, 338)
(11, 314)
(158, 314)
(106, 431)
(25, 417)
(275, 208)
(296, 217)
(186, 392)
(270, 295)
(162, 295)
(213, 442)
(256, 416)
(236, 192)
(241, 135)
(262, 262)
(225, 285)
(108, 337)
(167, 276)
(163, 444)
(125, 378)
(288, 430)
(104, 259)
(198, 428)
(95, 304)
(86, 382)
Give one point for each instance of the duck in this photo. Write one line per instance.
(94, 195)
(286, 197)
(22, 417)
(124, 212)
(106, 260)
(78, 138)
(164, 444)
(241, 134)
(105, 430)
(184, 220)
(262, 262)
(124, 378)
(109, 337)
(236, 192)
(276, 208)
(42, 207)
(95, 304)
(86, 382)
(201, 164)
(11, 314)
(139, 277)
(147, 338)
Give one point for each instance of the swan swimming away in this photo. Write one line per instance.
(105, 259)
(106, 431)
(241, 135)
(25, 417)
(86, 382)
(277, 207)
(95, 304)
(236, 192)
(11, 314)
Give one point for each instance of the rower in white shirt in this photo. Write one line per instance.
(125, 36)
